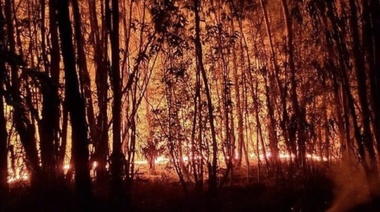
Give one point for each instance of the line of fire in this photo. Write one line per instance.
(189, 105)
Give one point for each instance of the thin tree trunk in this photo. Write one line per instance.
(199, 55)
(3, 129)
(55, 59)
(239, 110)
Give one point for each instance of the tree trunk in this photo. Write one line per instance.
(84, 75)
(359, 66)
(100, 46)
(298, 115)
(117, 156)
(239, 110)
(49, 124)
(371, 45)
(3, 129)
(55, 59)
(198, 49)
(75, 106)
(272, 126)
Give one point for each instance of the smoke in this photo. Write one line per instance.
(351, 187)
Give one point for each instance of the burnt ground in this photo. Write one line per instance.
(315, 193)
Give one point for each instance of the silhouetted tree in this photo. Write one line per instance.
(3, 129)
(75, 106)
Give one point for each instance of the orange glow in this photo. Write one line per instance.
(66, 167)
(94, 165)
(287, 156)
(18, 178)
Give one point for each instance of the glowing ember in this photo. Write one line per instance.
(141, 162)
(316, 157)
(287, 156)
(94, 165)
(23, 178)
(66, 167)
(161, 159)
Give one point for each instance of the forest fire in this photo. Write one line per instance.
(108, 100)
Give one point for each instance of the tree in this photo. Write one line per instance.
(371, 169)
(75, 105)
(3, 129)
(24, 125)
(117, 156)
(212, 167)
(49, 123)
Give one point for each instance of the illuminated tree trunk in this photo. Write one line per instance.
(245, 107)
(194, 141)
(3, 129)
(239, 110)
(198, 48)
(272, 126)
(244, 102)
(75, 106)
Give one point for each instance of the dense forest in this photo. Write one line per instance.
(206, 97)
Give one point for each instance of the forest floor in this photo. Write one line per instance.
(161, 192)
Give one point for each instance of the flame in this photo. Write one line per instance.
(316, 157)
(141, 162)
(161, 159)
(94, 165)
(66, 167)
(24, 178)
(286, 156)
